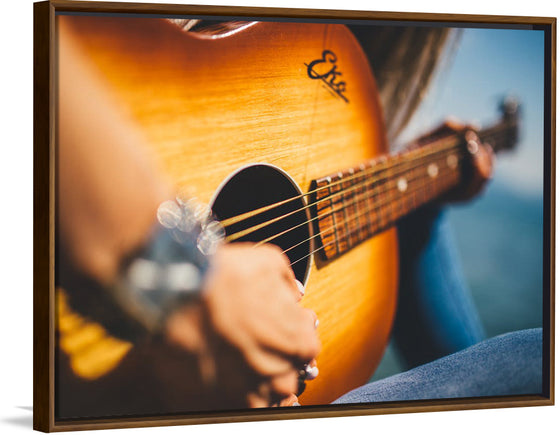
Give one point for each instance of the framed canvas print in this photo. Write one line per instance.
(250, 213)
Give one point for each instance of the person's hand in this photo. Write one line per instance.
(480, 166)
(252, 336)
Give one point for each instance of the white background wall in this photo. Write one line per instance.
(16, 244)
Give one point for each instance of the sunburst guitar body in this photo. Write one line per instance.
(250, 117)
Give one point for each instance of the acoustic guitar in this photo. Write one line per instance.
(279, 128)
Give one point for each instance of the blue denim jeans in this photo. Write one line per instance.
(436, 315)
(504, 365)
(438, 332)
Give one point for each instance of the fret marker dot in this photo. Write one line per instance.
(452, 161)
(402, 184)
(433, 170)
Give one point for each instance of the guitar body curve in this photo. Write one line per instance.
(209, 106)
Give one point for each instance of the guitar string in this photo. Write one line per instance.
(247, 231)
(365, 197)
(350, 246)
(406, 166)
(379, 208)
(342, 193)
(335, 241)
(412, 166)
(454, 141)
(379, 165)
(366, 227)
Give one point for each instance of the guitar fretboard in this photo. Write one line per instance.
(355, 204)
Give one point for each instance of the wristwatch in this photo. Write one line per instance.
(168, 270)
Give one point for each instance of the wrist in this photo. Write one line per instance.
(186, 328)
(168, 270)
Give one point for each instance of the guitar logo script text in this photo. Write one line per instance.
(325, 69)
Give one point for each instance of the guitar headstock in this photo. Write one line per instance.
(510, 118)
(505, 134)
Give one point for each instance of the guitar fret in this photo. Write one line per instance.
(356, 206)
(419, 174)
(344, 212)
(333, 216)
(402, 187)
(389, 195)
(365, 193)
(350, 210)
(419, 193)
(326, 221)
(360, 203)
(379, 199)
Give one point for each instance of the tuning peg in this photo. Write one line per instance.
(509, 106)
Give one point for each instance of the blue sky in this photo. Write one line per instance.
(488, 64)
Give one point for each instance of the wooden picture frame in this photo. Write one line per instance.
(45, 180)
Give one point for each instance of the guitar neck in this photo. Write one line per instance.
(355, 204)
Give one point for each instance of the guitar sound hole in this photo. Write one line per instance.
(257, 186)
